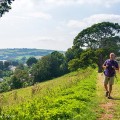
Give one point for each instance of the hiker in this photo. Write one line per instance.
(110, 66)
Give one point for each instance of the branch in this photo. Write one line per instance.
(5, 6)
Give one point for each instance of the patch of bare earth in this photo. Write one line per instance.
(108, 111)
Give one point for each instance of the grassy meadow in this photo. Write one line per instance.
(70, 97)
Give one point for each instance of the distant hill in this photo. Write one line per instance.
(18, 53)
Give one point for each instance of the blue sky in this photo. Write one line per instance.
(52, 24)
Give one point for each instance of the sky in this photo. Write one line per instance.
(53, 24)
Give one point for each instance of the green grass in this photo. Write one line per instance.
(117, 98)
(70, 97)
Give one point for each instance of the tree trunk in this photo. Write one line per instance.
(100, 63)
(100, 69)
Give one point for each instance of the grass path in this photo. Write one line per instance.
(110, 108)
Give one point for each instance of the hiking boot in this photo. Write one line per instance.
(109, 97)
(106, 94)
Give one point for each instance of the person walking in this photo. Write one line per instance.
(110, 66)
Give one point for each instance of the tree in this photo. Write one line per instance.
(1, 73)
(69, 55)
(103, 35)
(14, 62)
(73, 53)
(6, 65)
(49, 66)
(98, 35)
(87, 58)
(4, 87)
(31, 61)
(20, 66)
(57, 61)
(23, 59)
(19, 78)
(74, 64)
(16, 83)
(5, 6)
(41, 70)
(1, 65)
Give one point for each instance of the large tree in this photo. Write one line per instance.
(99, 35)
(103, 35)
(50, 66)
(5, 6)
(31, 61)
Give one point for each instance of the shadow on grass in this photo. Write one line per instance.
(116, 98)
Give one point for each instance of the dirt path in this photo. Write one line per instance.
(108, 106)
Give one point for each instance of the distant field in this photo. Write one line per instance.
(70, 97)
(27, 56)
(7, 54)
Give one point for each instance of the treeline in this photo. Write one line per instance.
(5, 68)
(48, 67)
(90, 48)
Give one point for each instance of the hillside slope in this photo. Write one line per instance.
(72, 96)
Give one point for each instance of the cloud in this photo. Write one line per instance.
(45, 39)
(81, 1)
(26, 9)
(76, 24)
(31, 7)
(86, 22)
(53, 3)
(107, 3)
(52, 43)
(33, 15)
(40, 15)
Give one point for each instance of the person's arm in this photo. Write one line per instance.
(104, 65)
(116, 67)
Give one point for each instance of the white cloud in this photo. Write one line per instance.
(44, 39)
(86, 22)
(40, 15)
(81, 1)
(52, 43)
(27, 16)
(31, 7)
(76, 24)
(103, 17)
(106, 3)
(26, 9)
(48, 3)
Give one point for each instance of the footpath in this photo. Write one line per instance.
(109, 108)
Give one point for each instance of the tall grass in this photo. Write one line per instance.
(71, 97)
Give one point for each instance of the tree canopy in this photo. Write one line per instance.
(5, 6)
(49, 66)
(101, 35)
(31, 60)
